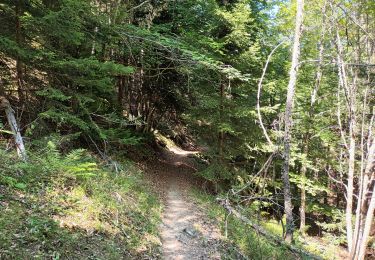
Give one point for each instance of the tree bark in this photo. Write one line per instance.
(221, 132)
(302, 209)
(368, 207)
(350, 99)
(19, 70)
(288, 206)
(21, 151)
(121, 82)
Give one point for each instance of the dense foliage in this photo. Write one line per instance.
(107, 74)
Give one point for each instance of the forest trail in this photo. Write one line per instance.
(186, 232)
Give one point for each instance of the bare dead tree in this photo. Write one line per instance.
(357, 133)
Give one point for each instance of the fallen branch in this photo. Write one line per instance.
(114, 164)
(138, 6)
(264, 168)
(258, 95)
(225, 203)
(4, 104)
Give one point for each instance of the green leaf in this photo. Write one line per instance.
(6, 131)
(20, 185)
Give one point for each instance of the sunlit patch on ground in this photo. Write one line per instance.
(106, 215)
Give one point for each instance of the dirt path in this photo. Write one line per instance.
(186, 232)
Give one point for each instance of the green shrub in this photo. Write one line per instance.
(59, 206)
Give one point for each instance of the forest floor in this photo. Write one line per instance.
(75, 206)
(186, 231)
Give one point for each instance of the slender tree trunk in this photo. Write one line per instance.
(302, 209)
(121, 90)
(132, 97)
(350, 99)
(93, 46)
(149, 120)
(363, 209)
(363, 182)
(368, 206)
(366, 182)
(288, 206)
(351, 169)
(221, 132)
(19, 70)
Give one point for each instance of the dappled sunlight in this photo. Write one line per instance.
(85, 213)
(146, 239)
(179, 151)
(180, 236)
(172, 147)
(73, 213)
(112, 111)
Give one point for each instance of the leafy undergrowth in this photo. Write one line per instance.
(326, 247)
(73, 207)
(244, 239)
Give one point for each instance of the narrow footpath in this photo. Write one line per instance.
(186, 231)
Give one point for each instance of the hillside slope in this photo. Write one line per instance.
(74, 206)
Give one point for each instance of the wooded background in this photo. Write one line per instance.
(280, 93)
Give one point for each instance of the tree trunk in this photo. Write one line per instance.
(302, 209)
(352, 144)
(93, 47)
(221, 132)
(288, 206)
(120, 94)
(4, 104)
(19, 71)
(368, 206)
(350, 185)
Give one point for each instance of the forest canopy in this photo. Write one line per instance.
(276, 96)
